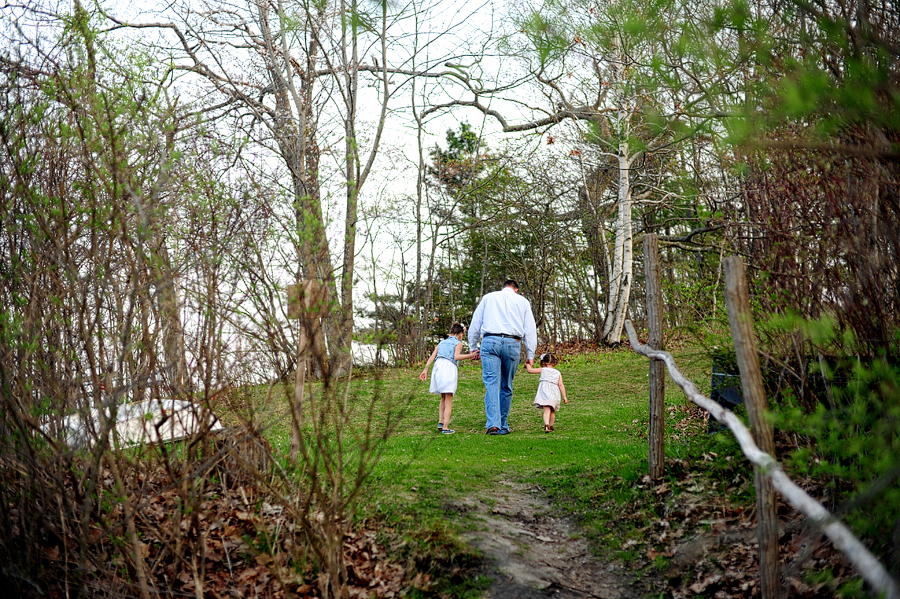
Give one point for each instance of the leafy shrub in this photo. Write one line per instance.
(855, 446)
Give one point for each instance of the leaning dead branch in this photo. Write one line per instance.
(871, 570)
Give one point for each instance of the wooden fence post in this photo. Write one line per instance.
(737, 298)
(657, 368)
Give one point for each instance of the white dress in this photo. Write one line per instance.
(445, 372)
(548, 390)
(444, 376)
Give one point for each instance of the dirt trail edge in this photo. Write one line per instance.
(532, 553)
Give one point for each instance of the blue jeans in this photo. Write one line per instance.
(499, 361)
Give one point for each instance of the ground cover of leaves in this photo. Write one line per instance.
(234, 543)
(712, 545)
(708, 544)
(693, 534)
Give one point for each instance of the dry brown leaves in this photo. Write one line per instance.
(233, 541)
(710, 540)
(575, 348)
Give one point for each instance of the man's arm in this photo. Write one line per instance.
(530, 334)
(475, 326)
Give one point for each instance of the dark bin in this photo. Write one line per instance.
(725, 388)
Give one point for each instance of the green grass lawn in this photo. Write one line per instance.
(600, 436)
(606, 394)
(591, 468)
(601, 430)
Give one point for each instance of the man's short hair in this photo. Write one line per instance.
(511, 283)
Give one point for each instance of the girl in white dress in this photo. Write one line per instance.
(550, 386)
(445, 374)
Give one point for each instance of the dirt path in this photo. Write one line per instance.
(532, 553)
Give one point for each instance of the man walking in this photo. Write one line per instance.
(501, 320)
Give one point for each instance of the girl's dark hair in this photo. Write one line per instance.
(548, 359)
(457, 328)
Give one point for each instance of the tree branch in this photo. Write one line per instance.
(578, 113)
(688, 238)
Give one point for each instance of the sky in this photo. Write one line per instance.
(449, 28)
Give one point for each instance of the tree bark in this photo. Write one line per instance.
(623, 255)
(342, 351)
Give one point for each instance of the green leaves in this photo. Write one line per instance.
(548, 42)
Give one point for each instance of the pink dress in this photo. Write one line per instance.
(548, 389)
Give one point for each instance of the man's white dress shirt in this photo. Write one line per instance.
(504, 312)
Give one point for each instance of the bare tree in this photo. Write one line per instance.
(118, 215)
(293, 77)
(87, 194)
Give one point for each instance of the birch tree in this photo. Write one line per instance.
(625, 139)
(585, 61)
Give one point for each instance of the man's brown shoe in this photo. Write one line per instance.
(493, 431)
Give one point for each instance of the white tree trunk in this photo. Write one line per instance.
(619, 290)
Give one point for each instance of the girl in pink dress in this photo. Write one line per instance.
(550, 387)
